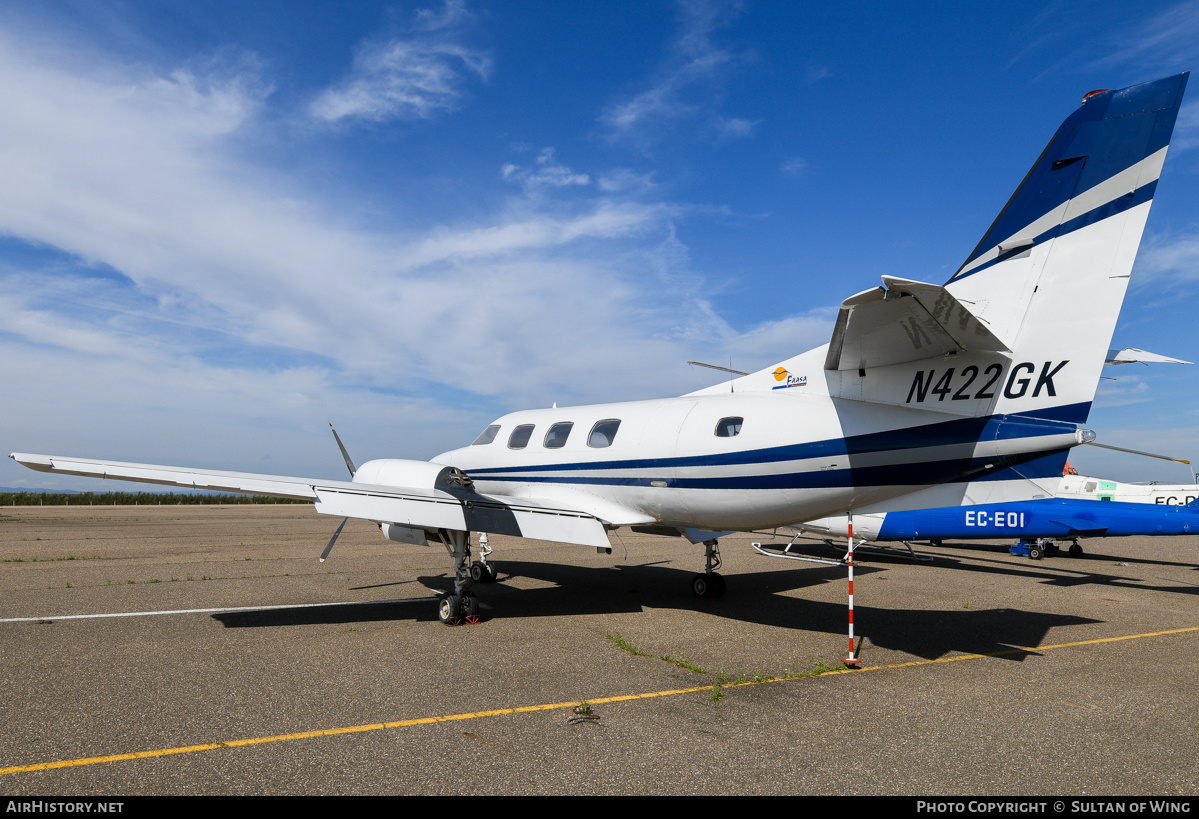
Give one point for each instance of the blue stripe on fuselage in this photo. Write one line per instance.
(946, 433)
(1118, 205)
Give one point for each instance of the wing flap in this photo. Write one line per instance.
(472, 511)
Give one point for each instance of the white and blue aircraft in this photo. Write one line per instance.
(927, 395)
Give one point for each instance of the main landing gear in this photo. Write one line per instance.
(461, 605)
(709, 585)
(1043, 547)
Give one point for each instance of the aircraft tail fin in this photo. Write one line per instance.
(1049, 276)
(1023, 327)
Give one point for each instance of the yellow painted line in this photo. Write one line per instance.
(526, 709)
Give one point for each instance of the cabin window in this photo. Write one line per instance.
(520, 436)
(728, 427)
(556, 437)
(603, 433)
(488, 435)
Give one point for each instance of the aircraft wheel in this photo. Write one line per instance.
(1075, 550)
(449, 609)
(707, 586)
(717, 585)
(479, 573)
(470, 607)
(1034, 552)
(492, 573)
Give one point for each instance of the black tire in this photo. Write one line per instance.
(470, 605)
(492, 573)
(716, 582)
(479, 573)
(1075, 550)
(449, 609)
(1034, 552)
(707, 586)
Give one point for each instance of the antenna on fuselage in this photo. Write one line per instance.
(728, 369)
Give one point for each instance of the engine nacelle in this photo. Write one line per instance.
(399, 472)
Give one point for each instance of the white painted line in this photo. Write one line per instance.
(214, 611)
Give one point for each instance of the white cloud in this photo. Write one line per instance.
(174, 291)
(793, 166)
(1121, 390)
(406, 78)
(733, 128)
(545, 173)
(1186, 129)
(680, 87)
(451, 14)
(1170, 37)
(624, 180)
(1173, 255)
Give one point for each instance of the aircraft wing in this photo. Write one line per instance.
(905, 321)
(418, 508)
(1080, 526)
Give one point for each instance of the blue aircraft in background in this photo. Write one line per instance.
(1037, 523)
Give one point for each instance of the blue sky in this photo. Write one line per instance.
(224, 224)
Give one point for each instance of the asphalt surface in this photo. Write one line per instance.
(1114, 714)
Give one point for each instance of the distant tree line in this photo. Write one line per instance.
(131, 499)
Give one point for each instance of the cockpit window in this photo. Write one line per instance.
(728, 427)
(556, 437)
(488, 435)
(520, 436)
(603, 433)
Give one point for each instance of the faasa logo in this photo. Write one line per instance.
(789, 380)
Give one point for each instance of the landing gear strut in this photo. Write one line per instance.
(709, 585)
(480, 570)
(461, 604)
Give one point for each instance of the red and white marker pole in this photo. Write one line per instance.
(852, 660)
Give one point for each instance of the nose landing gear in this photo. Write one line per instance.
(709, 585)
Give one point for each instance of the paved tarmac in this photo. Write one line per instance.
(1091, 689)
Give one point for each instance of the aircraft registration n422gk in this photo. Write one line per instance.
(926, 396)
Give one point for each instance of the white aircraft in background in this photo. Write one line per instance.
(926, 396)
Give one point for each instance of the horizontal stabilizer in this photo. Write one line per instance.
(905, 321)
(1131, 355)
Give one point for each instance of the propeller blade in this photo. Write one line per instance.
(333, 540)
(344, 454)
